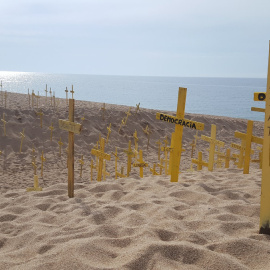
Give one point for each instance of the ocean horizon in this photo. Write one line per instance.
(231, 97)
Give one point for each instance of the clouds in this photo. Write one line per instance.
(136, 37)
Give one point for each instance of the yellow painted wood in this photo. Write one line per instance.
(193, 145)
(122, 124)
(140, 164)
(81, 164)
(166, 150)
(4, 123)
(36, 185)
(66, 94)
(43, 159)
(136, 152)
(153, 170)
(130, 155)
(40, 114)
(213, 142)
(109, 132)
(121, 175)
(265, 186)
(72, 91)
(254, 109)
(116, 159)
(199, 162)
(137, 108)
(101, 155)
(60, 143)
(180, 121)
(259, 96)
(51, 128)
(70, 126)
(92, 167)
(22, 138)
(128, 113)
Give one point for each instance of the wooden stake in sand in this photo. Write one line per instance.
(140, 164)
(213, 142)
(136, 139)
(247, 139)
(81, 163)
(116, 158)
(36, 185)
(92, 167)
(153, 170)
(130, 155)
(43, 159)
(165, 149)
(128, 113)
(180, 123)
(109, 132)
(260, 157)
(147, 131)
(226, 157)
(4, 123)
(103, 111)
(40, 114)
(46, 91)
(60, 143)
(66, 95)
(265, 187)
(72, 128)
(199, 161)
(104, 172)
(22, 137)
(160, 165)
(51, 128)
(137, 108)
(101, 155)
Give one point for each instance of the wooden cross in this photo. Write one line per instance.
(213, 142)
(72, 128)
(147, 131)
(141, 164)
(109, 132)
(128, 114)
(51, 128)
(153, 170)
(103, 111)
(135, 143)
(104, 172)
(248, 138)
(43, 159)
(116, 158)
(66, 95)
(41, 117)
(137, 108)
(159, 148)
(33, 155)
(166, 150)
(33, 95)
(46, 91)
(199, 161)
(130, 155)
(51, 95)
(36, 185)
(92, 167)
(122, 124)
(260, 157)
(60, 143)
(5, 99)
(180, 123)
(226, 157)
(193, 145)
(265, 185)
(82, 163)
(101, 155)
(4, 123)
(23, 136)
(121, 174)
(35, 167)
(160, 165)
(241, 147)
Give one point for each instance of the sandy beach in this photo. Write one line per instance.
(207, 220)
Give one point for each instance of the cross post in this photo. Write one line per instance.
(141, 164)
(130, 155)
(199, 161)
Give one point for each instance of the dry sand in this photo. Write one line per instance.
(208, 220)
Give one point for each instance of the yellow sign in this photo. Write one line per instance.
(70, 126)
(259, 96)
(141, 164)
(179, 121)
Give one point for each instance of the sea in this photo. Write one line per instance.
(232, 97)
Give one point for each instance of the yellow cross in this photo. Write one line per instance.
(109, 132)
(92, 167)
(43, 159)
(66, 95)
(147, 132)
(82, 163)
(179, 122)
(116, 158)
(60, 143)
(141, 164)
(101, 156)
(130, 155)
(213, 142)
(199, 161)
(104, 172)
(153, 170)
(51, 128)
(135, 143)
(137, 108)
(128, 114)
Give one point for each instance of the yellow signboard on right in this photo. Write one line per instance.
(265, 188)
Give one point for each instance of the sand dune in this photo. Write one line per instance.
(208, 220)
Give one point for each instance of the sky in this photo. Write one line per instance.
(195, 38)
